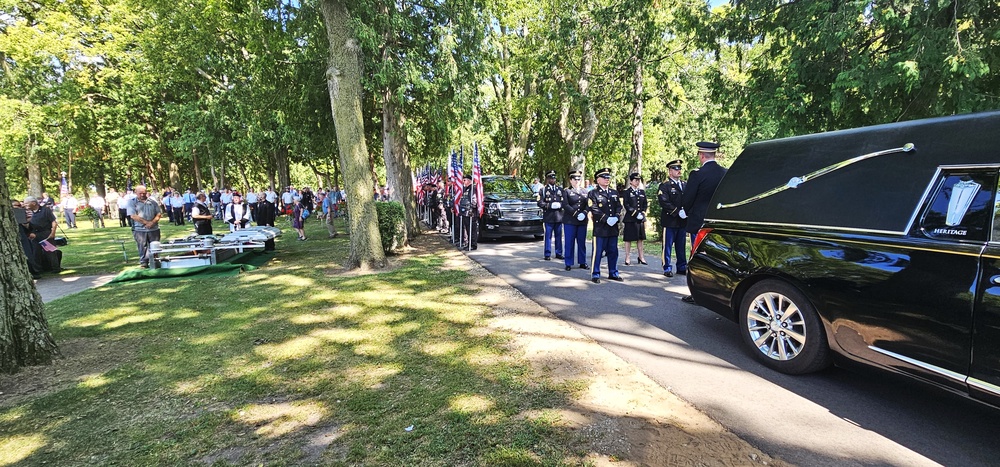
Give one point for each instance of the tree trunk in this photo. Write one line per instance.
(174, 172)
(398, 172)
(197, 170)
(215, 178)
(24, 333)
(34, 170)
(579, 140)
(344, 83)
(638, 108)
(281, 165)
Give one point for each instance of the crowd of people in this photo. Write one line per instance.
(141, 210)
(568, 211)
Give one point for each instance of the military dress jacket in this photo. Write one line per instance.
(574, 204)
(603, 205)
(549, 194)
(698, 193)
(635, 203)
(669, 197)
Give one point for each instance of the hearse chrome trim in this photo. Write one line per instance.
(927, 366)
(980, 384)
(923, 199)
(850, 240)
(794, 182)
(805, 226)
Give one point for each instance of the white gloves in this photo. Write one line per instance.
(556, 205)
(612, 221)
(581, 216)
(640, 216)
(682, 214)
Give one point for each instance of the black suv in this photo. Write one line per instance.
(511, 208)
(878, 246)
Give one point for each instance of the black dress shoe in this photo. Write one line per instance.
(560, 257)
(616, 278)
(688, 299)
(682, 272)
(596, 280)
(548, 258)
(569, 268)
(584, 266)
(668, 274)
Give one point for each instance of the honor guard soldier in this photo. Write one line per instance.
(634, 230)
(699, 190)
(575, 220)
(669, 197)
(605, 208)
(550, 200)
(469, 212)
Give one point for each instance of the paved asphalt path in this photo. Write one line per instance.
(836, 417)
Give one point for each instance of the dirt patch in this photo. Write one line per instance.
(81, 359)
(621, 417)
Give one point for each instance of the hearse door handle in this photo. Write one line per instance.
(995, 280)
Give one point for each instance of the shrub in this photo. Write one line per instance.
(390, 224)
(653, 212)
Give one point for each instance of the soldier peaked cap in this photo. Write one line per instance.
(707, 146)
(675, 162)
(634, 176)
(467, 176)
(575, 173)
(602, 171)
(550, 174)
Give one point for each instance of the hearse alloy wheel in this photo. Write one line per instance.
(782, 330)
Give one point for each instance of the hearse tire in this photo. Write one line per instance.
(782, 330)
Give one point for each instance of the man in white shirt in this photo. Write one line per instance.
(68, 207)
(97, 203)
(123, 219)
(252, 200)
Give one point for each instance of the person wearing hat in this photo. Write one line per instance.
(699, 190)
(674, 235)
(145, 213)
(605, 209)
(468, 209)
(634, 230)
(550, 200)
(574, 205)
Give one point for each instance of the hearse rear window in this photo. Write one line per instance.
(961, 206)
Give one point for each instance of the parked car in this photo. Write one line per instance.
(878, 246)
(510, 210)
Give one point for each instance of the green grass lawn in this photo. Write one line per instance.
(290, 364)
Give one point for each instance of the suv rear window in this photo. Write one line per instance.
(961, 206)
(506, 185)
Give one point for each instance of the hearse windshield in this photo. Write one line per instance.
(506, 185)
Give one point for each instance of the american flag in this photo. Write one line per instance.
(458, 161)
(477, 178)
(63, 186)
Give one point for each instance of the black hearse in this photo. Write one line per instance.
(877, 245)
(510, 208)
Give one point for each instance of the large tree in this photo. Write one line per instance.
(344, 83)
(24, 332)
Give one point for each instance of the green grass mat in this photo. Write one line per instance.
(242, 262)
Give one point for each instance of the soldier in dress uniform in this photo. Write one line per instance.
(669, 197)
(574, 206)
(635, 203)
(699, 190)
(468, 209)
(550, 200)
(605, 208)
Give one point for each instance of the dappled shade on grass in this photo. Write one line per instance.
(285, 365)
